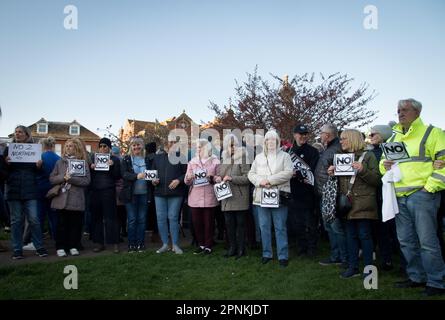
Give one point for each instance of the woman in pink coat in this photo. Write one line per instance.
(201, 172)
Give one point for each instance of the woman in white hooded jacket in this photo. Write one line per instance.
(272, 171)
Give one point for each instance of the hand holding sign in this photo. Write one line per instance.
(151, 175)
(200, 176)
(343, 164)
(270, 198)
(24, 152)
(395, 151)
(102, 162)
(222, 191)
(76, 168)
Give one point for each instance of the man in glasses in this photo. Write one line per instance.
(336, 228)
(418, 198)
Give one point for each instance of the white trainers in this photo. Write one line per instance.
(162, 249)
(177, 250)
(29, 247)
(61, 253)
(74, 252)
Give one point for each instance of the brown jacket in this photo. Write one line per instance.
(239, 186)
(74, 198)
(364, 203)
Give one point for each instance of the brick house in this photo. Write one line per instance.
(62, 131)
(140, 128)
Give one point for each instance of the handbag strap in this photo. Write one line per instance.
(352, 181)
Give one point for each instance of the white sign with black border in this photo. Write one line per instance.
(101, 161)
(25, 152)
(151, 175)
(270, 197)
(343, 164)
(200, 177)
(395, 151)
(222, 190)
(76, 168)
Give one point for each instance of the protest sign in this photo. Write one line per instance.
(76, 168)
(343, 164)
(200, 177)
(25, 152)
(222, 190)
(101, 161)
(270, 198)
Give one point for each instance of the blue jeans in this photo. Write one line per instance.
(168, 208)
(20, 208)
(358, 231)
(337, 239)
(136, 219)
(279, 217)
(417, 232)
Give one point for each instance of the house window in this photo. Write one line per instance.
(58, 149)
(42, 128)
(74, 130)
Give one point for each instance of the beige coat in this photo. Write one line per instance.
(74, 198)
(276, 168)
(239, 185)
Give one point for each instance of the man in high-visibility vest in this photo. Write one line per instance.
(418, 197)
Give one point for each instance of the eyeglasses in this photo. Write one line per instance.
(373, 134)
(103, 146)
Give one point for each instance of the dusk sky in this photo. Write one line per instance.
(152, 59)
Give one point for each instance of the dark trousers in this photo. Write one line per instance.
(235, 227)
(122, 218)
(69, 229)
(303, 226)
(203, 224)
(104, 222)
(220, 223)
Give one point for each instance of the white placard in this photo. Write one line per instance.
(222, 191)
(200, 178)
(343, 164)
(25, 152)
(101, 161)
(270, 198)
(395, 151)
(151, 175)
(76, 168)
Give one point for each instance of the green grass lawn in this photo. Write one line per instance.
(190, 277)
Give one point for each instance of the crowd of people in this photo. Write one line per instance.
(289, 193)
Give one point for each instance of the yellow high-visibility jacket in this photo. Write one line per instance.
(425, 144)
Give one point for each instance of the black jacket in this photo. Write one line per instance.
(168, 172)
(129, 177)
(21, 180)
(326, 160)
(303, 194)
(101, 180)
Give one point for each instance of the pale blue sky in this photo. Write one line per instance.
(152, 59)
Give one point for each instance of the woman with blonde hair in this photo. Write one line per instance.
(70, 202)
(201, 173)
(135, 193)
(361, 190)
